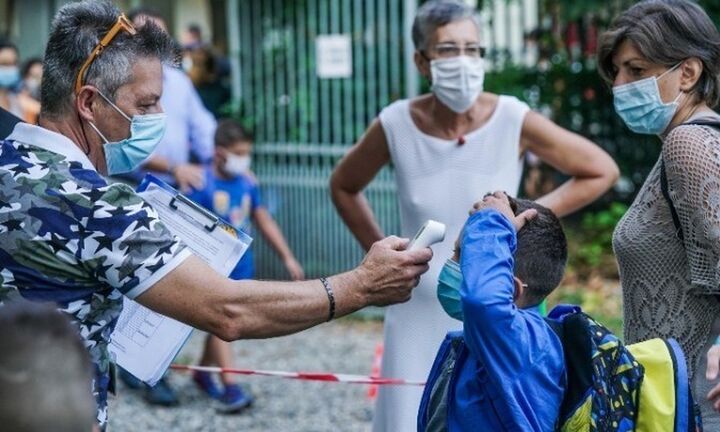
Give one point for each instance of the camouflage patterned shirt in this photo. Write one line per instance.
(69, 237)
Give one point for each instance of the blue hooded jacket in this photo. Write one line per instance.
(506, 370)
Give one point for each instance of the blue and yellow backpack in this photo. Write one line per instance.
(643, 387)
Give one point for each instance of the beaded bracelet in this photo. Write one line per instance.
(331, 298)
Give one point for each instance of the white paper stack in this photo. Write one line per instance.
(144, 342)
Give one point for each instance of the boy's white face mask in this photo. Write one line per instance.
(457, 81)
(236, 165)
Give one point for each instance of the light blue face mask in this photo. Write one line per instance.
(448, 289)
(146, 131)
(640, 106)
(9, 76)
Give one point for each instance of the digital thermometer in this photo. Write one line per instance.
(430, 233)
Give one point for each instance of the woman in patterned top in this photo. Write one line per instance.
(663, 59)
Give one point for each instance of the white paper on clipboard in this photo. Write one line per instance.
(145, 342)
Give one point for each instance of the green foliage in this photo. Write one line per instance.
(590, 246)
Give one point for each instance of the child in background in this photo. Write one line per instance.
(232, 192)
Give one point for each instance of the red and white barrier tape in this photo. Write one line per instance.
(305, 376)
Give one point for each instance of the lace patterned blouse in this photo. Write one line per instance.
(670, 286)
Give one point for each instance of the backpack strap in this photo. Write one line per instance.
(711, 122)
(666, 193)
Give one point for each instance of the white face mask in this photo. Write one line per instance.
(457, 81)
(236, 165)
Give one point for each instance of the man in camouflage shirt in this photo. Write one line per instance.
(69, 237)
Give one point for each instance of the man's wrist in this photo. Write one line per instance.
(351, 289)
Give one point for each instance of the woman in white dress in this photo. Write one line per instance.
(449, 148)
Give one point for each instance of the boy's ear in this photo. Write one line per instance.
(519, 289)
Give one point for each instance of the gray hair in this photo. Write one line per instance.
(437, 13)
(666, 32)
(76, 30)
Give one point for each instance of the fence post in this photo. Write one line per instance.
(412, 86)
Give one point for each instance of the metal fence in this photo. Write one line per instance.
(295, 189)
(304, 124)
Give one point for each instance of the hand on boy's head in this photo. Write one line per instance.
(499, 201)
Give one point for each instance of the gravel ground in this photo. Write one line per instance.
(280, 405)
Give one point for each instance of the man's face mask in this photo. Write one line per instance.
(448, 289)
(457, 81)
(640, 106)
(146, 131)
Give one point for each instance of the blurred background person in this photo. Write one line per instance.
(31, 75)
(232, 192)
(206, 73)
(449, 148)
(188, 141)
(178, 160)
(192, 37)
(45, 371)
(12, 98)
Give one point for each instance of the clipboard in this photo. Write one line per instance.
(220, 244)
(144, 342)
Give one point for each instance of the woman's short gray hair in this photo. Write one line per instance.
(437, 13)
(666, 32)
(76, 30)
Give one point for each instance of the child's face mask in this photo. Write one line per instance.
(237, 165)
(448, 289)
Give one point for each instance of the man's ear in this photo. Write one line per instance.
(84, 102)
(519, 289)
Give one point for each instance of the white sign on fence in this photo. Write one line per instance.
(334, 56)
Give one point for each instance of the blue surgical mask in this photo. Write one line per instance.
(9, 76)
(640, 106)
(448, 289)
(146, 131)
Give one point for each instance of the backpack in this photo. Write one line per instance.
(642, 387)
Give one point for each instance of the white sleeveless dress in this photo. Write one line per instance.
(437, 179)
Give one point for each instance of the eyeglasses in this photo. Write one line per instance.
(122, 24)
(447, 50)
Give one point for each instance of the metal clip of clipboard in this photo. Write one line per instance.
(207, 214)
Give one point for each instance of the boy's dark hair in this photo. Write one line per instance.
(45, 371)
(229, 132)
(541, 252)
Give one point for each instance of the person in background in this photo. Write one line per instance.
(45, 371)
(12, 99)
(192, 37)
(31, 73)
(188, 136)
(188, 142)
(448, 148)
(232, 192)
(204, 71)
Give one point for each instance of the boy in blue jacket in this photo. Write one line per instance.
(506, 370)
